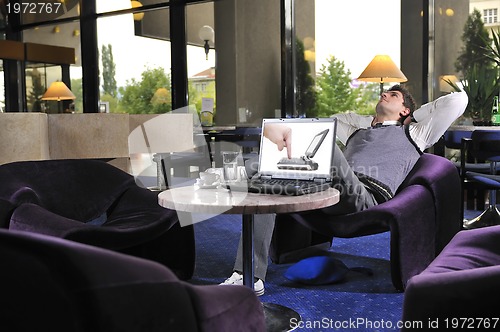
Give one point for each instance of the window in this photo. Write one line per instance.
(490, 16)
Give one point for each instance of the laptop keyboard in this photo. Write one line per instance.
(285, 187)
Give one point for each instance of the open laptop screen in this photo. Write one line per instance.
(312, 149)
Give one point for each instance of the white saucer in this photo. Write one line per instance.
(207, 186)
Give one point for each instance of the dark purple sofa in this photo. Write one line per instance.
(461, 286)
(51, 284)
(95, 203)
(422, 217)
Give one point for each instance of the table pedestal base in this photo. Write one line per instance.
(280, 318)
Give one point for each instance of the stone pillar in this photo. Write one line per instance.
(248, 47)
(247, 38)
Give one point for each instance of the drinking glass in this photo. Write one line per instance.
(230, 165)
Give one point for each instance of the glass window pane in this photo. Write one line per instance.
(103, 6)
(201, 61)
(44, 10)
(140, 81)
(43, 66)
(343, 47)
(39, 76)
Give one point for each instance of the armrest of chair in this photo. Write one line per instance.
(34, 218)
(457, 294)
(442, 179)
(105, 290)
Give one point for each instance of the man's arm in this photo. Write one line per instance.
(348, 123)
(434, 118)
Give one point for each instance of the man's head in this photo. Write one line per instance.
(395, 104)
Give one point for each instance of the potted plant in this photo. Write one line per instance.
(481, 85)
(478, 62)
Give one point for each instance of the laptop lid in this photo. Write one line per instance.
(312, 142)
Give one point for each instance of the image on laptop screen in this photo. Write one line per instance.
(312, 149)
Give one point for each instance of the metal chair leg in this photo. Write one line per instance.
(489, 217)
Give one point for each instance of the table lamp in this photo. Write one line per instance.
(382, 69)
(58, 91)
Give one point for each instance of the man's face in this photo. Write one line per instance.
(390, 105)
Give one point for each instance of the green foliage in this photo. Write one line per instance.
(336, 95)
(76, 88)
(108, 71)
(195, 96)
(137, 96)
(476, 62)
(476, 39)
(493, 48)
(369, 95)
(34, 97)
(114, 105)
(481, 85)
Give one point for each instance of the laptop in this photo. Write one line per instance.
(305, 162)
(310, 168)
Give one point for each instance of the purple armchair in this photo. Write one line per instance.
(422, 217)
(51, 284)
(92, 202)
(463, 282)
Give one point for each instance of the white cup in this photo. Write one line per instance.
(209, 178)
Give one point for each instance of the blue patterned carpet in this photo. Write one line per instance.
(368, 300)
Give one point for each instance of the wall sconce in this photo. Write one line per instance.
(76, 33)
(206, 34)
(382, 69)
(56, 29)
(137, 16)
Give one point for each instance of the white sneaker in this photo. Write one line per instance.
(237, 279)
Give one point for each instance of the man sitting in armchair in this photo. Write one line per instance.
(380, 151)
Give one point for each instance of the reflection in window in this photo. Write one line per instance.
(38, 79)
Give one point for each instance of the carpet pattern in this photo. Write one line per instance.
(358, 303)
(366, 301)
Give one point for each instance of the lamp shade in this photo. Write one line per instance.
(206, 33)
(58, 91)
(382, 69)
(137, 16)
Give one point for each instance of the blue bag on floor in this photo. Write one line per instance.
(321, 270)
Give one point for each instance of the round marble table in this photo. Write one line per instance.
(220, 200)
